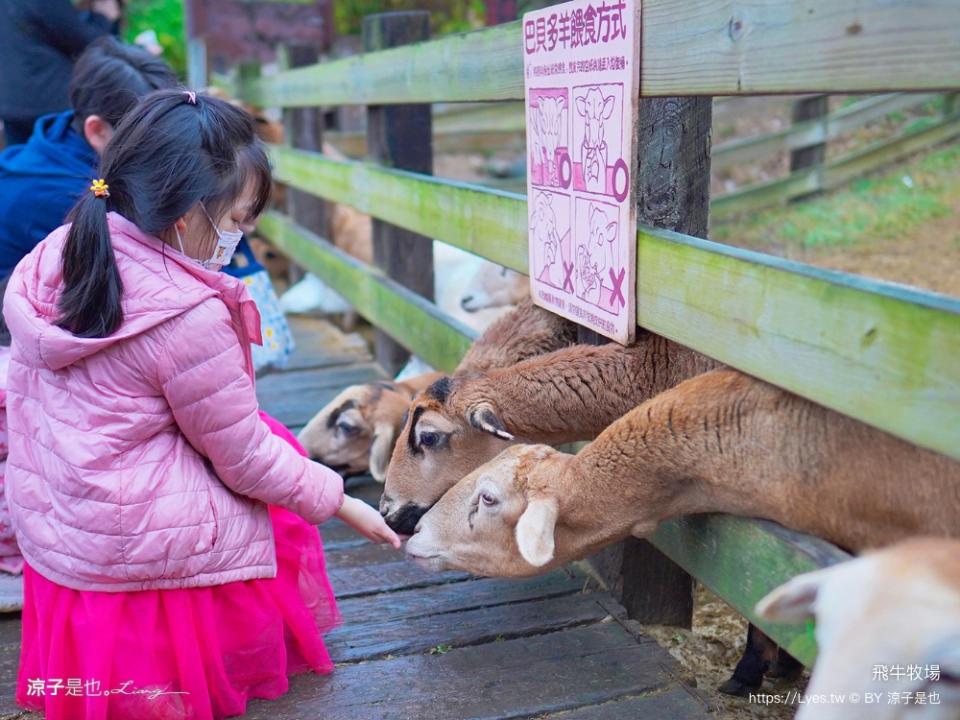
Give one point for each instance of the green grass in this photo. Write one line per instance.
(877, 207)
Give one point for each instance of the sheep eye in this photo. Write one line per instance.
(488, 499)
(347, 428)
(429, 439)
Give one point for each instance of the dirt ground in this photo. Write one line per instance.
(710, 650)
(928, 257)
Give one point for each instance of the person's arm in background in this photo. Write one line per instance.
(61, 26)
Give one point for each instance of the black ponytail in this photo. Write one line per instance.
(173, 150)
(90, 303)
(108, 80)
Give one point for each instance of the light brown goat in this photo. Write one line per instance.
(721, 442)
(459, 423)
(357, 430)
(888, 633)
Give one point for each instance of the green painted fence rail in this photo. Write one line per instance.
(742, 560)
(738, 558)
(876, 351)
(408, 318)
(486, 222)
(703, 48)
(499, 126)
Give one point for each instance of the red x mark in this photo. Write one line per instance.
(617, 281)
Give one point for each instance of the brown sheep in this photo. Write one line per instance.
(357, 430)
(459, 423)
(539, 403)
(720, 442)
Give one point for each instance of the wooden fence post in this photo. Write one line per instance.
(197, 70)
(804, 110)
(500, 11)
(951, 105)
(304, 129)
(673, 192)
(399, 136)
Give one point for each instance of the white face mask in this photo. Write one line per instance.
(227, 241)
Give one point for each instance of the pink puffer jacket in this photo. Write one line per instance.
(139, 461)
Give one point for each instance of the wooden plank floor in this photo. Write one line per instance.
(445, 646)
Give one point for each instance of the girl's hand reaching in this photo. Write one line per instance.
(367, 521)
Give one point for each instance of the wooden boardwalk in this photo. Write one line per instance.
(445, 646)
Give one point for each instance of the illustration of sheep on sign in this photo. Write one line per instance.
(550, 164)
(587, 275)
(598, 264)
(596, 109)
(546, 240)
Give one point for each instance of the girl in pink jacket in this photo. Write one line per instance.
(173, 569)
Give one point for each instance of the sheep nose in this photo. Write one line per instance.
(465, 300)
(385, 504)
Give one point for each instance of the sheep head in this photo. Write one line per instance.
(602, 232)
(442, 440)
(549, 121)
(596, 110)
(356, 431)
(898, 606)
(499, 520)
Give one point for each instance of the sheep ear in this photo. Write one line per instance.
(384, 438)
(793, 601)
(581, 104)
(610, 233)
(484, 417)
(535, 531)
(608, 107)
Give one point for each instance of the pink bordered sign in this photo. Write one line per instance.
(581, 70)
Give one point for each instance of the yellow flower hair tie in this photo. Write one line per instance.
(100, 188)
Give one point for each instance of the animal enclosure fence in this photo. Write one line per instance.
(881, 353)
(500, 128)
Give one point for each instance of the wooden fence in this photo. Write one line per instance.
(487, 128)
(806, 140)
(882, 353)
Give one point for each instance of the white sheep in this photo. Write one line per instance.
(888, 632)
(454, 270)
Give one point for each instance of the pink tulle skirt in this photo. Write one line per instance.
(197, 653)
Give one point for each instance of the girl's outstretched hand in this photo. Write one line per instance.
(367, 521)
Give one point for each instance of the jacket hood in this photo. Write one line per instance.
(159, 284)
(54, 150)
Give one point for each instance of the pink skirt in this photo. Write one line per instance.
(197, 653)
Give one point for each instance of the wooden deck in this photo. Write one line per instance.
(445, 646)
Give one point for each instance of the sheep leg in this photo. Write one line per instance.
(786, 667)
(350, 321)
(758, 656)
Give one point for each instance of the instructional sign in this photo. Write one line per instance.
(581, 70)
